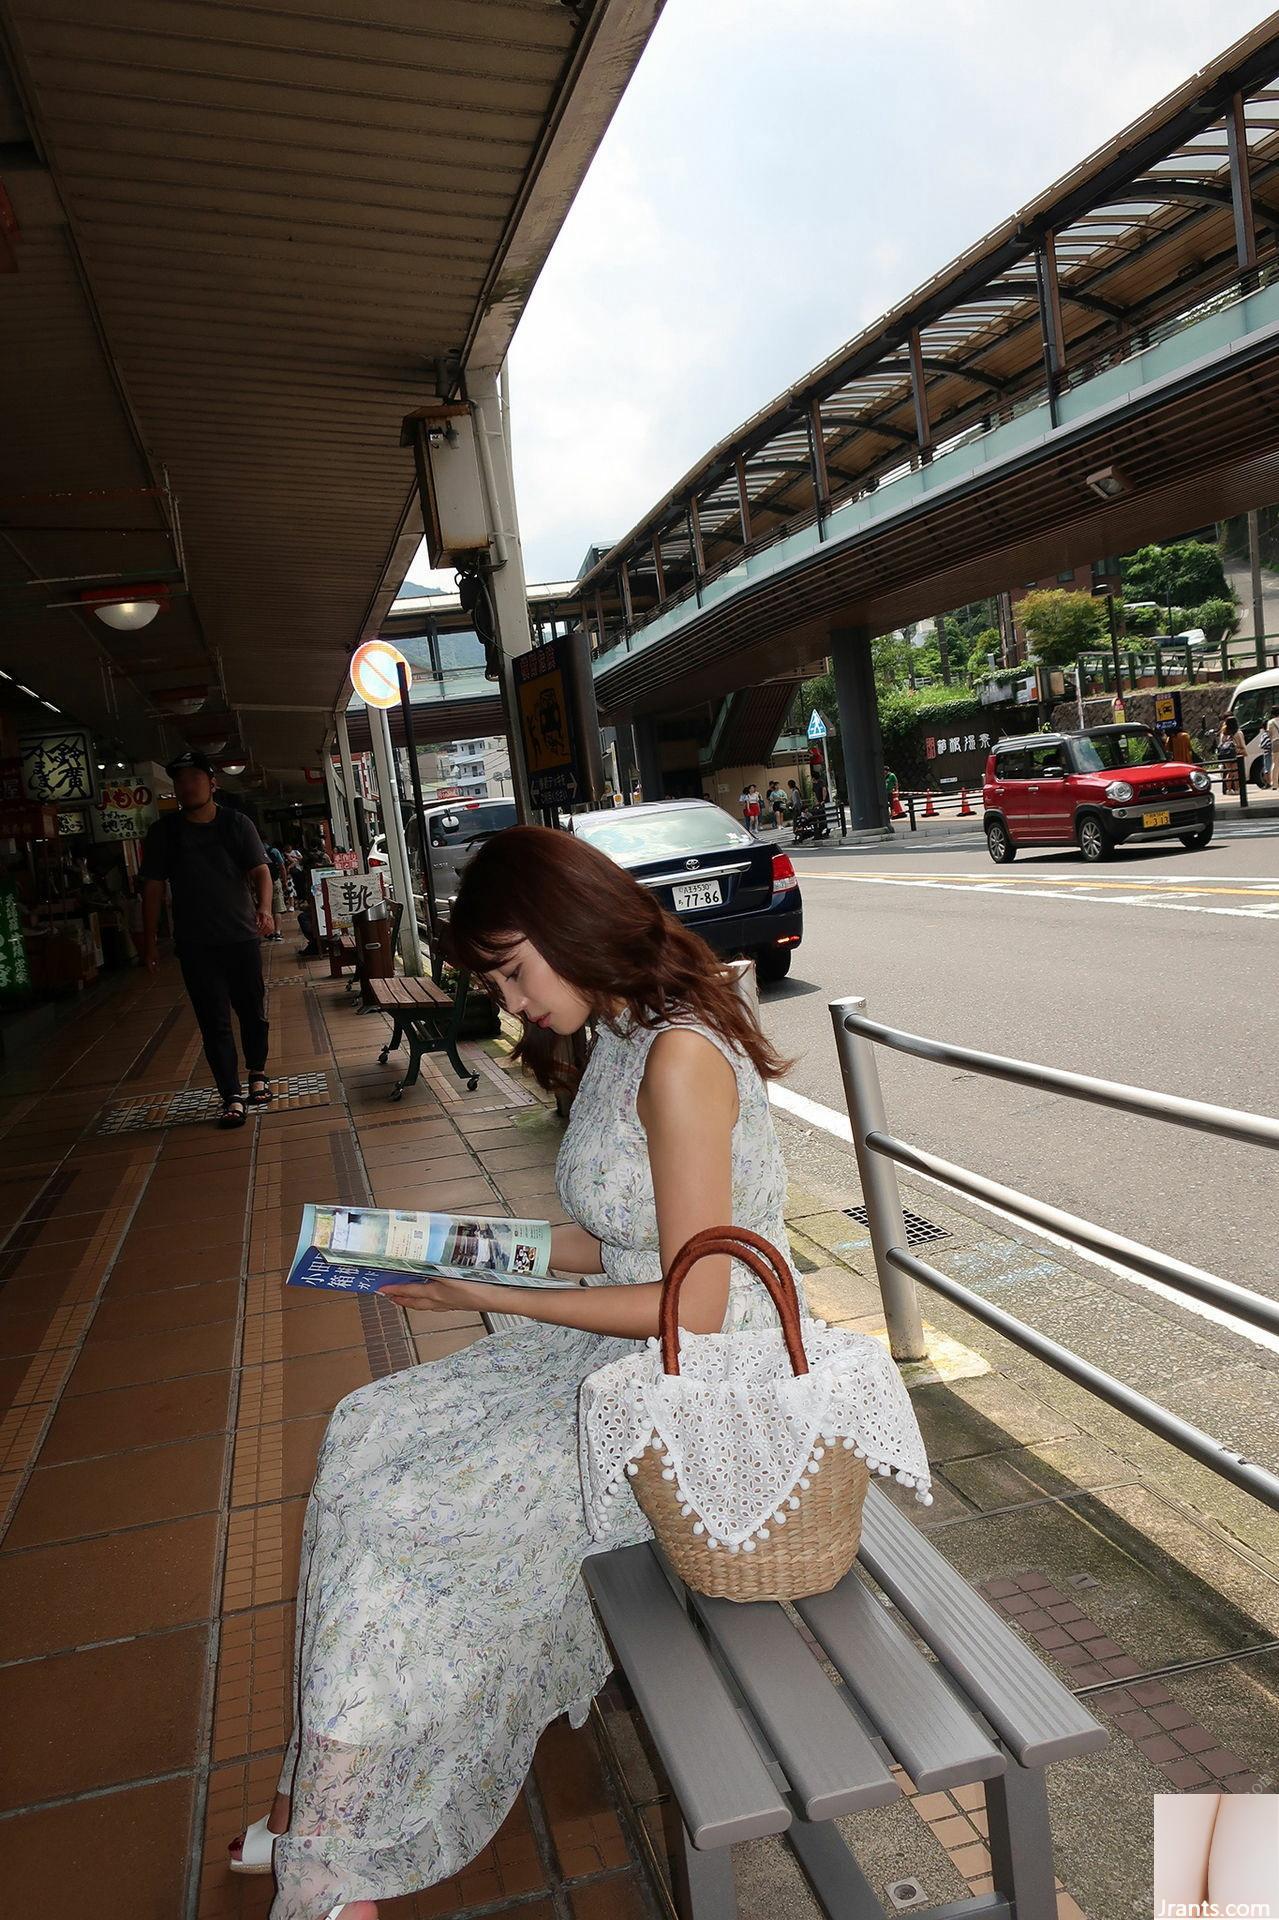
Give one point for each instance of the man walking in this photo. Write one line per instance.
(220, 883)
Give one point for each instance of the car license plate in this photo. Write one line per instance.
(1156, 819)
(698, 893)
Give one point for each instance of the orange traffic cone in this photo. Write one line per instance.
(897, 811)
(930, 811)
(965, 811)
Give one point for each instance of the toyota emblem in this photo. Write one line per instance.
(692, 863)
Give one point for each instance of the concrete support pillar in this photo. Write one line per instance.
(648, 756)
(859, 727)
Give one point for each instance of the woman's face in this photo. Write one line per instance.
(530, 988)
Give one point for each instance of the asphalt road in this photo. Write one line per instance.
(1160, 968)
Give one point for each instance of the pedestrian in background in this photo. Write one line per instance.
(1180, 747)
(1272, 741)
(1228, 754)
(777, 801)
(220, 884)
(751, 806)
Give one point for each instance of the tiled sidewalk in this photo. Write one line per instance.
(164, 1401)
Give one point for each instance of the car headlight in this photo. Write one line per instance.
(1119, 790)
(1200, 781)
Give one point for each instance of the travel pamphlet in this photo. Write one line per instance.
(359, 1249)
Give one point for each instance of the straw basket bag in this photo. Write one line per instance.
(750, 1464)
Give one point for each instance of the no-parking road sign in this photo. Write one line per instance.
(374, 673)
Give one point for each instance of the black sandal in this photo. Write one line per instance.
(259, 1090)
(232, 1114)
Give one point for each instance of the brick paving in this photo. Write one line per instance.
(162, 1402)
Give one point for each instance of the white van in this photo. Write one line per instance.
(1255, 699)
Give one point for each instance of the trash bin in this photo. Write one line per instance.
(374, 946)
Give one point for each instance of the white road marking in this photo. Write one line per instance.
(838, 1125)
(1090, 894)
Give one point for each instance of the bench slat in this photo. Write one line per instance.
(1032, 1711)
(425, 993)
(832, 1765)
(924, 1725)
(714, 1767)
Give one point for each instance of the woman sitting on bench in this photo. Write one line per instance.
(442, 1620)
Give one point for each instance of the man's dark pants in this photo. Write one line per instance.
(218, 979)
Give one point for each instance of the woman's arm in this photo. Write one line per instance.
(688, 1106)
(574, 1250)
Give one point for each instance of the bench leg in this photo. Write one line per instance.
(459, 1067)
(1021, 1846)
(418, 1045)
(703, 1882)
(397, 1035)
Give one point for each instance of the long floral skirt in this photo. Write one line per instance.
(442, 1622)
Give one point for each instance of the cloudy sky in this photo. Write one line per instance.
(779, 173)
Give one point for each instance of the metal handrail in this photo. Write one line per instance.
(1255, 1129)
(879, 1153)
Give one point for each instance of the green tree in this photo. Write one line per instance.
(1217, 617)
(983, 644)
(1187, 572)
(1060, 626)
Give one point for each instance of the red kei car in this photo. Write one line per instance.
(1091, 790)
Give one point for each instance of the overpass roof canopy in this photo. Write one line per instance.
(1179, 210)
(238, 243)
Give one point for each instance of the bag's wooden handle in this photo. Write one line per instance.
(763, 1259)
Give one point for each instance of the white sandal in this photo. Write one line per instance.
(256, 1848)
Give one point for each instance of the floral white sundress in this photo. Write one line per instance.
(442, 1620)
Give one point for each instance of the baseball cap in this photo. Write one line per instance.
(191, 758)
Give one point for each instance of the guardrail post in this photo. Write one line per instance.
(865, 1101)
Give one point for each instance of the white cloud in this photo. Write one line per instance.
(779, 173)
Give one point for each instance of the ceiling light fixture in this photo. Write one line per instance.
(234, 767)
(126, 608)
(181, 700)
(1108, 483)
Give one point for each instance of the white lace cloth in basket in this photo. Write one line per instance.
(739, 1433)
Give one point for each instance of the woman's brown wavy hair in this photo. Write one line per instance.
(602, 933)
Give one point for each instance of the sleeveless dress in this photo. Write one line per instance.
(442, 1621)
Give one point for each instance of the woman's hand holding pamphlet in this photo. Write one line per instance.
(359, 1249)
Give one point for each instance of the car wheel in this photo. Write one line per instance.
(1094, 842)
(1193, 841)
(998, 845)
(773, 963)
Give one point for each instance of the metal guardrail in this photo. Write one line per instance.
(879, 1153)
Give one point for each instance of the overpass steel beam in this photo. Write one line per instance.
(919, 398)
(859, 735)
(743, 499)
(1241, 186)
(817, 459)
(693, 515)
(1050, 320)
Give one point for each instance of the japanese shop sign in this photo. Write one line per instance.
(124, 811)
(11, 793)
(346, 894)
(58, 766)
(937, 746)
(28, 822)
(549, 743)
(15, 975)
(72, 821)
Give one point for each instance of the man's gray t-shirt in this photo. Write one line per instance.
(207, 868)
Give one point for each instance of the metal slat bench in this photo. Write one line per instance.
(429, 1017)
(755, 1739)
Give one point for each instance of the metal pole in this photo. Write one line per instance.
(337, 807)
(506, 580)
(393, 827)
(419, 814)
(1114, 644)
(348, 784)
(1258, 595)
(865, 1102)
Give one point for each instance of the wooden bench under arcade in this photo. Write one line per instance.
(429, 1017)
(756, 1739)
